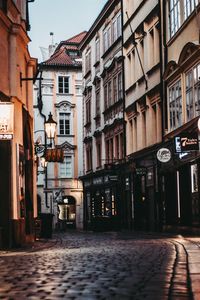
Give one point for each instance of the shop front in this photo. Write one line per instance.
(102, 196)
(180, 190)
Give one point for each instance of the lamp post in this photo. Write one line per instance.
(49, 133)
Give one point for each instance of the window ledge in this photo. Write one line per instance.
(65, 135)
(64, 94)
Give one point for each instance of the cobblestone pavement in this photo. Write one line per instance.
(89, 266)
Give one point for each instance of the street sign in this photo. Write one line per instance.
(141, 171)
(164, 155)
(186, 142)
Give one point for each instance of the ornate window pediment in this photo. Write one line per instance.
(64, 106)
(188, 50)
(172, 66)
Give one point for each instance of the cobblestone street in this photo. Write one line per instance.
(103, 266)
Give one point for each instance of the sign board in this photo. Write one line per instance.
(164, 155)
(141, 171)
(186, 143)
(6, 120)
(54, 155)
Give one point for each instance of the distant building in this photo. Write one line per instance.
(18, 206)
(103, 120)
(59, 189)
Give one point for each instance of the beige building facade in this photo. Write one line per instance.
(17, 173)
(143, 108)
(180, 28)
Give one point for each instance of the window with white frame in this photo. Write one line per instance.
(66, 168)
(175, 105)
(189, 6)
(63, 84)
(107, 38)
(193, 92)
(88, 61)
(174, 16)
(116, 27)
(64, 123)
(179, 11)
(97, 50)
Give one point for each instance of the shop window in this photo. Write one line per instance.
(108, 208)
(194, 178)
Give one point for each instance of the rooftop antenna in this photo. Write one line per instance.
(51, 34)
(135, 44)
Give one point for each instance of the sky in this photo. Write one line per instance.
(65, 18)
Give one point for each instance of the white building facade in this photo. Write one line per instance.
(60, 92)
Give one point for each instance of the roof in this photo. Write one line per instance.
(63, 55)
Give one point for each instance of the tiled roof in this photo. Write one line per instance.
(61, 56)
(77, 38)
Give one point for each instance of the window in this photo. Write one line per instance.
(3, 5)
(117, 153)
(179, 11)
(193, 92)
(107, 38)
(109, 93)
(105, 96)
(88, 110)
(98, 149)
(175, 105)
(189, 6)
(97, 103)
(89, 157)
(120, 89)
(97, 52)
(116, 27)
(174, 16)
(64, 123)
(88, 61)
(63, 84)
(115, 89)
(66, 167)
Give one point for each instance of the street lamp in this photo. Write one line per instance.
(50, 127)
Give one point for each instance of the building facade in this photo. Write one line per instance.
(60, 92)
(18, 206)
(143, 110)
(103, 120)
(180, 177)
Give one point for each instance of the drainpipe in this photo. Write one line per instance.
(40, 106)
(123, 80)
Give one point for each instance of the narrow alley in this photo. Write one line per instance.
(103, 266)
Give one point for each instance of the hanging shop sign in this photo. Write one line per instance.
(186, 143)
(164, 155)
(54, 155)
(6, 120)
